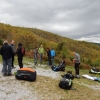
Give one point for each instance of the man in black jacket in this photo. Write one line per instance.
(6, 52)
(13, 47)
(20, 54)
(49, 56)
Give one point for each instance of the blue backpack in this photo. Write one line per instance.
(52, 53)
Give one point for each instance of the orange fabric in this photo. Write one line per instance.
(28, 69)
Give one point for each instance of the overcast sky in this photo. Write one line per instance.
(75, 19)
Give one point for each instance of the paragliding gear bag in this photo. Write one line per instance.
(26, 74)
(94, 71)
(66, 81)
(58, 68)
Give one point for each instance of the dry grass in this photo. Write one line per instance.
(48, 89)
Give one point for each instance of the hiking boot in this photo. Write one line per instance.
(5, 75)
(78, 76)
(9, 74)
(75, 76)
(13, 67)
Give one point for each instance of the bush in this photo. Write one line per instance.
(85, 66)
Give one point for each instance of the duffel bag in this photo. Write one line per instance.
(26, 74)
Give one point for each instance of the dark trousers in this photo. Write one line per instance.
(35, 58)
(41, 56)
(20, 59)
(77, 68)
(7, 64)
(13, 60)
(49, 61)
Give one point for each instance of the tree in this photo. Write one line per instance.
(27, 39)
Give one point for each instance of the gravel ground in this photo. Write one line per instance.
(12, 89)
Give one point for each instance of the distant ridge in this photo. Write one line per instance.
(96, 43)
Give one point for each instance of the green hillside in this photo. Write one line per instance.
(32, 37)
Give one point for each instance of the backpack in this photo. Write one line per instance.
(26, 74)
(23, 50)
(52, 53)
(66, 81)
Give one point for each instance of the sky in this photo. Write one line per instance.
(75, 19)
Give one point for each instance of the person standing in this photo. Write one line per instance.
(41, 53)
(76, 62)
(20, 53)
(13, 47)
(35, 55)
(49, 56)
(6, 52)
(52, 56)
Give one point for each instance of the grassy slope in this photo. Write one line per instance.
(48, 89)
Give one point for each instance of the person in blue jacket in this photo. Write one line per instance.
(52, 56)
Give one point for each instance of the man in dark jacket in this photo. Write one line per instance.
(35, 55)
(52, 56)
(13, 47)
(49, 56)
(20, 54)
(6, 52)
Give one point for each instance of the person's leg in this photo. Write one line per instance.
(9, 63)
(21, 62)
(13, 61)
(49, 61)
(35, 59)
(4, 67)
(52, 60)
(77, 69)
(40, 58)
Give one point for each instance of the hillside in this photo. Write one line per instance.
(32, 37)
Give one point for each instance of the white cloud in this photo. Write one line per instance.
(91, 38)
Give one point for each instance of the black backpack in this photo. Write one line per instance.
(26, 74)
(66, 81)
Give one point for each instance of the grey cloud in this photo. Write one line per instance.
(70, 18)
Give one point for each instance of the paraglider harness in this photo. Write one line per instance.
(26, 74)
(66, 81)
(94, 71)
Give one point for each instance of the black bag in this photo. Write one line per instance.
(57, 68)
(66, 81)
(26, 74)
